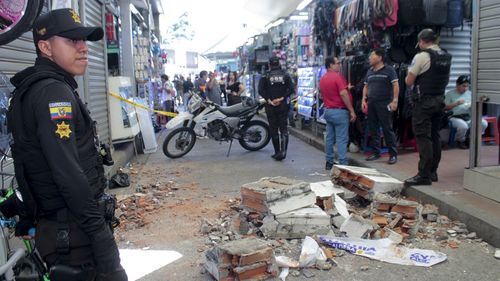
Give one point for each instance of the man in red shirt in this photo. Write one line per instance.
(338, 112)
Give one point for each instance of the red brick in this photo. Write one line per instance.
(264, 255)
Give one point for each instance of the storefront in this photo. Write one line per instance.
(483, 176)
(95, 93)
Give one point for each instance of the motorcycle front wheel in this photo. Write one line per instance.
(254, 135)
(179, 142)
(17, 17)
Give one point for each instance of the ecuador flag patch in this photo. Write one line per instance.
(60, 110)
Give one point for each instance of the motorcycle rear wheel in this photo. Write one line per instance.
(181, 139)
(17, 17)
(255, 135)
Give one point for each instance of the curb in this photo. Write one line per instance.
(485, 226)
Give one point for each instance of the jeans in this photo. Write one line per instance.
(427, 116)
(463, 126)
(337, 131)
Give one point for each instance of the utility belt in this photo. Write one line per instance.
(106, 205)
(418, 96)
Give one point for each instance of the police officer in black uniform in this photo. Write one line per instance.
(429, 74)
(56, 154)
(276, 88)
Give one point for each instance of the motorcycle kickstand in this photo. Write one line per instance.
(229, 150)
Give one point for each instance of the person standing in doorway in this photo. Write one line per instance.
(276, 88)
(234, 89)
(429, 73)
(380, 98)
(338, 111)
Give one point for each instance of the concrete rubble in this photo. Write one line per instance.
(284, 211)
(284, 208)
(365, 182)
(277, 195)
(245, 259)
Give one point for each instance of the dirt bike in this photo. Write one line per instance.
(17, 17)
(207, 119)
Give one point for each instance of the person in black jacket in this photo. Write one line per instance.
(56, 152)
(276, 88)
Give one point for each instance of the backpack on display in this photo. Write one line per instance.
(385, 13)
(467, 6)
(411, 12)
(435, 11)
(455, 14)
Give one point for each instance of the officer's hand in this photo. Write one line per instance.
(394, 105)
(23, 227)
(459, 102)
(353, 116)
(364, 107)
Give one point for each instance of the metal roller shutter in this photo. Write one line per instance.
(488, 51)
(95, 79)
(458, 42)
(17, 55)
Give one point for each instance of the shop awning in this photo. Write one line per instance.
(254, 16)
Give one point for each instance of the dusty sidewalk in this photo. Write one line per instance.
(206, 180)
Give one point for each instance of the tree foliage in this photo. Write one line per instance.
(181, 30)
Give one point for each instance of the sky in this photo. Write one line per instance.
(231, 22)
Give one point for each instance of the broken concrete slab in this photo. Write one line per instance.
(357, 227)
(341, 206)
(324, 189)
(497, 254)
(277, 195)
(297, 224)
(246, 259)
(365, 182)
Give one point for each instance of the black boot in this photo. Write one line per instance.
(276, 145)
(284, 147)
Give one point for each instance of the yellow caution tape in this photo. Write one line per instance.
(166, 113)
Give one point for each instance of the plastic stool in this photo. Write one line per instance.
(495, 136)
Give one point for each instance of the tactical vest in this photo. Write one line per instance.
(277, 83)
(46, 199)
(434, 81)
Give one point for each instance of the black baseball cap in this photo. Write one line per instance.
(427, 35)
(65, 23)
(274, 61)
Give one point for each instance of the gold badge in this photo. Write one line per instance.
(42, 31)
(63, 130)
(75, 16)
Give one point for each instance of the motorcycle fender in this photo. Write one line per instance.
(179, 120)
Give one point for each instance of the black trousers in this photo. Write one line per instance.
(427, 115)
(277, 116)
(80, 254)
(379, 116)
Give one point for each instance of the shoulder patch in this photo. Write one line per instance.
(63, 130)
(60, 110)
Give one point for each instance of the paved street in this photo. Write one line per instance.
(207, 180)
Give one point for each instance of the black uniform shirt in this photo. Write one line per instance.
(61, 155)
(275, 85)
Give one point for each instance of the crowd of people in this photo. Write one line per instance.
(431, 107)
(220, 88)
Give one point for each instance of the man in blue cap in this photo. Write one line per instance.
(56, 155)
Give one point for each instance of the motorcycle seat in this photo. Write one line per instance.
(233, 110)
